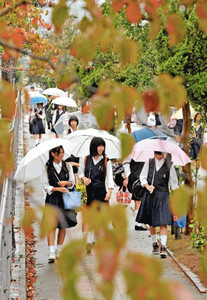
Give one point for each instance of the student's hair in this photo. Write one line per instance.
(196, 115)
(95, 142)
(40, 104)
(73, 118)
(51, 158)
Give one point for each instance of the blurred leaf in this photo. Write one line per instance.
(107, 289)
(201, 205)
(64, 81)
(68, 267)
(28, 219)
(7, 100)
(143, 277)
(6, 154)
(187, 2)
(201, 10)
(204, 262)
(107, 260)
(151, 100)
(49, 220)
(176, 29)
(117, 5)
(59, 14)
(125, 46)
(180, 200)
(154, 28)
(127, 143)
(103, 110)
(171, 92)
(133, 13)
(203, 157)
(179, 291)
(84, 47)
(93, 8)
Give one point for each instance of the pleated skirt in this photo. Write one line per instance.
(154, 209)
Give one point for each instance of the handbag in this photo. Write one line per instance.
(123, 196)
(72, 200)
(137, 189)
(172, 123)
(179, 222)
(118, 172)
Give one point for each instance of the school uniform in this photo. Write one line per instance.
(66, 218)
(132, 170)
(98, 173)
(154, 209)
(56, 117)
(196, 142)
(38, 127)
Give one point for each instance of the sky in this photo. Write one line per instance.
(76, 9)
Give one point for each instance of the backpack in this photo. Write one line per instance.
(118, 171)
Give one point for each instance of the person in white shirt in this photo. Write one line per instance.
(95, 170)
(57, 177)
(38, 116)
(157, 176)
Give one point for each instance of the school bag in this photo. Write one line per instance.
(118, 172)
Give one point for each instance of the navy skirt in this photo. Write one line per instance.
(154, 209)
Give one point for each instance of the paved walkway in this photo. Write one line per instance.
(48, 284)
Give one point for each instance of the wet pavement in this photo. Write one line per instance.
(48, 284)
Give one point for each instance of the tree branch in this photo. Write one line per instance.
(5, 12)
(29, 54)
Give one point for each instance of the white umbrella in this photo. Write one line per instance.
(32, 164)
(85, 121)
(65, 101)
(54, 92)
(80, 142)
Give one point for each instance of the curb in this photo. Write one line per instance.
(194, 278)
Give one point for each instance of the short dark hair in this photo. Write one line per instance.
(95, 142)
(158, 152)
(73, 118)
(196, 115)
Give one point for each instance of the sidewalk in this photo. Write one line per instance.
(48, 284)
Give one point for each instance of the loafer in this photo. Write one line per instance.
(155, 248)
(140, 227)
(163, 252)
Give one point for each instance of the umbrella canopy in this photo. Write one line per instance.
(85, 121)
(144, 150)
(80, 142)
(65, 101)
(151, 133)
(36, 97)
(54, 92)
(32, 164)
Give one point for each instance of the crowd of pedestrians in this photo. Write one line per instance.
(157, 176)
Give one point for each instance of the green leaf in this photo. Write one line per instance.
(180, 200)
(127, 143)
(49, 220)
(59, 15)
(176, 28)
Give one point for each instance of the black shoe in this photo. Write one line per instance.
(155, 248)
(163, 252)
(140, 227)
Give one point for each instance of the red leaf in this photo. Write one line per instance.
(151, 100)
(133, 13)
(201, 9)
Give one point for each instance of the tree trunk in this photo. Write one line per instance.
(129, 124)
(187, 168)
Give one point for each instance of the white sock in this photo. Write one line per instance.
(163, 240)
(154, 238)
(90, 237)
(59, 247)
(36, 141)
(51, 248)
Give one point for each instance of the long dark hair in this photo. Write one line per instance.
(51, 158)
(95, 142)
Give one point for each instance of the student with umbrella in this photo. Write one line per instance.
(158, 174)
(38, 116)
(58, 112)
(58, 176)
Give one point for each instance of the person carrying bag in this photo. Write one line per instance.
(55, 188)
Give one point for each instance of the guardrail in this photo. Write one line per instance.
(7, 204)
